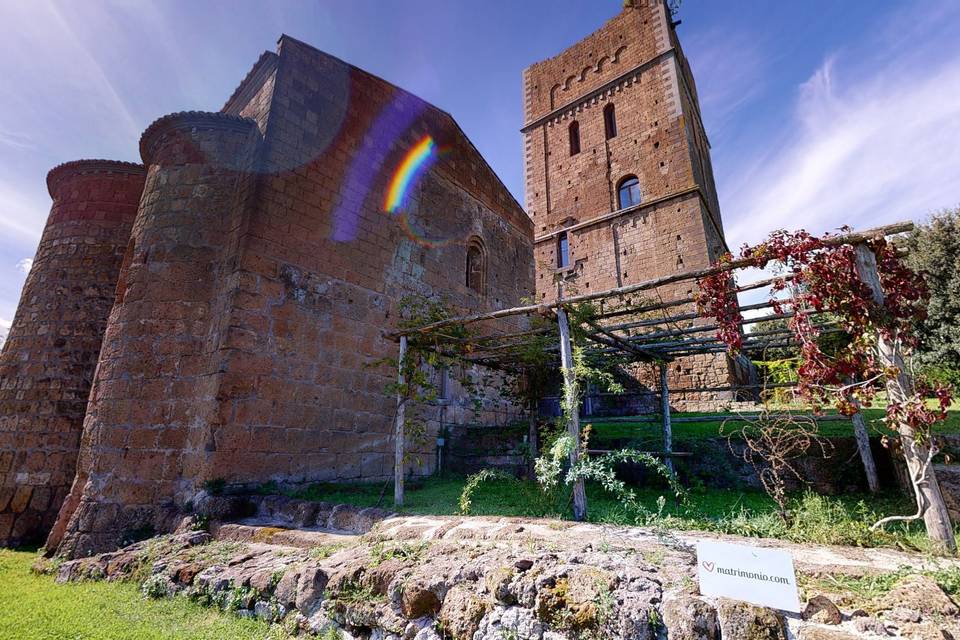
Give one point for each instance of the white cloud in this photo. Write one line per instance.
(4, 329)
(15, 140)
(25, 265)
(871, 141)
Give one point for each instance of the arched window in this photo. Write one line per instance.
(574, 138)
(563, 250)
(476, 265)
(628, 193)
(610, 121)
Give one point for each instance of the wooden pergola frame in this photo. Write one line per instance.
(628, 326)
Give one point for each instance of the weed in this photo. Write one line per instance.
(655, 557)
(331, 633)
(326, 550)
(155, 586)
(867, 589)
(653, 619)
(215, 487)
(817, 519)
(404, 551)
(36, 607)
(275, 579)
(354, 592)
(200, 523)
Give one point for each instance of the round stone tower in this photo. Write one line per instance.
(48, 360)
(154, 400)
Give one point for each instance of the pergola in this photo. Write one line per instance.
(632, 323)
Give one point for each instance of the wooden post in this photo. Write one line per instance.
(665, 410)
(532, 437)
(863, 446)
(398, 466)
(573, 407)
(917, 454)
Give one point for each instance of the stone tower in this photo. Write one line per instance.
(48, 360)
(617, 168)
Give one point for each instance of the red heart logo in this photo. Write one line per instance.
(708, 566)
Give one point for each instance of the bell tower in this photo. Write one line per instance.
(617, 169)
(617, 163)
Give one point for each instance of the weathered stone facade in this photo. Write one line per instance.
(49, 357)
(241, 332)
(218, 314)
(622, 104)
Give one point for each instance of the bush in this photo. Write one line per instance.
(155, 586)
(942, 374)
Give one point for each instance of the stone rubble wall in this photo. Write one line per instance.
(481, 579)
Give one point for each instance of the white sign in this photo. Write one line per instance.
(760, 576)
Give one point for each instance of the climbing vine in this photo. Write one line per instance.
(428, 353)
(817, 277)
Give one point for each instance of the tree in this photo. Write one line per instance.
(934, 251)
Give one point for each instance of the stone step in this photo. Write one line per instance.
(273, 533)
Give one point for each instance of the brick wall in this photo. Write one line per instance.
(634, 63)
(51, 351)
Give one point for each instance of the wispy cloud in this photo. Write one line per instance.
(871, 140)
(15, 140)
(51, 62)
(25, 265)
(20, 213)
(729, 69)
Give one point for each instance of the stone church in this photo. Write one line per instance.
(212, 313)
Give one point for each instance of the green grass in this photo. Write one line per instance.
(649, 433)
(816, 519)
(33, 607)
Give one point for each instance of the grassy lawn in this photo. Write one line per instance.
(816, 519)
(649, 433)
(33, 607)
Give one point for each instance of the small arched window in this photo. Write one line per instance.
(563, 250)
(628, 193)
(610, 121)
(574, 138)
(476, 265)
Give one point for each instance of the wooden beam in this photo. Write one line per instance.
(573, 408)
(398, 435)
(716, 418)
(863, 446)
(848, 238)
(665, 413)
(625, 345)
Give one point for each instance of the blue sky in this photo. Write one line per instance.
(820, 113)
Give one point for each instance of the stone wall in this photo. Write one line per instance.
(247, 340)
(51, 351)
(150, 424)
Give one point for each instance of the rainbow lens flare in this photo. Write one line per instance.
(413, 164)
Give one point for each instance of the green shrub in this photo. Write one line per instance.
(155, 586)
